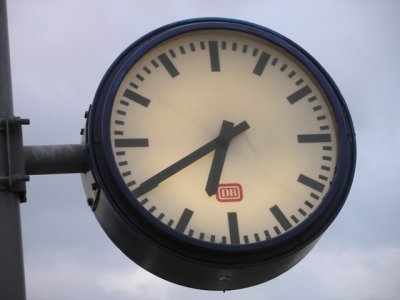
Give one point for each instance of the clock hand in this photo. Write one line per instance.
(153, 181)
(219, 159)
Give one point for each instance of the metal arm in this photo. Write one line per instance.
(55, 159)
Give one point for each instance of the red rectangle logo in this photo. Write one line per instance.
(229, 192)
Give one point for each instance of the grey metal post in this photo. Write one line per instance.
(12, 279)
(55, 159)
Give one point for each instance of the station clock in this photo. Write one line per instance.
(219, 152)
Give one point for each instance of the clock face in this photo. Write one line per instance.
(223, 137)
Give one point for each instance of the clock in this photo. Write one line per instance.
(219, 153)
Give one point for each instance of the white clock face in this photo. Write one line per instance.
(224, 137)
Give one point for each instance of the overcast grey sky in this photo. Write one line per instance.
(61, 49)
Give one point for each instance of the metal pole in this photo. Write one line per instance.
(12, 279)
(55, 159)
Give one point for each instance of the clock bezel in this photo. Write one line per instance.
(108, 176)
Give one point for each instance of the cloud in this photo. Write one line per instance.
(59, 276)
(60, 51)
(354, 274)
(69, 275)
(137, 284)
(331, 273)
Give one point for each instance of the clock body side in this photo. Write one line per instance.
(203, 269)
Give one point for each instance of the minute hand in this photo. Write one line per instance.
(153, 181)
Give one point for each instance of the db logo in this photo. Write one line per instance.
(229, 192)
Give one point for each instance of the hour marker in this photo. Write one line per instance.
(324, 178)
(299, 94)
(309, 204)
(325, 168)
(121, 143)
(311, 183)
(168, 65)
(277, 230)
(314, 138)
(223, 46)
(261, 63)
(147, 70)
(214, 56)
(127, 173)
(311, 99)
(144, 201)
(294, 218)
(139, 99)
(233, 228)
(154, 63)
(234, 46)
(280, 217)
(172, 52)
(123, 102)
(134, 85)
(131, 183)
(302, 212)
(184, 220)
(317, 108)
(316, 197)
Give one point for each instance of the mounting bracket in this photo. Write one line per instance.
(15, 176)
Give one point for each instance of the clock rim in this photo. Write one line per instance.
(105, 169)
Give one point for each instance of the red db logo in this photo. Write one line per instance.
(229, 192)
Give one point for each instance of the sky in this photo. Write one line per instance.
(60, 50)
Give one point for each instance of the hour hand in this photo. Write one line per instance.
(219, 158)
(176, 167)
